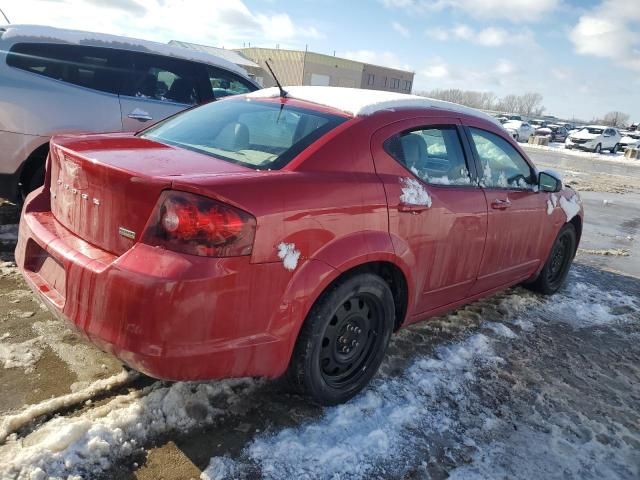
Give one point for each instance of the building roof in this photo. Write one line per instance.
(229, 55)
(58, 35)
(359, 102)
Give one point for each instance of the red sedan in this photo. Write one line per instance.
(271, 234)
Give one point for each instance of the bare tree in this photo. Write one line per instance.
(527, 104)
(615, 119)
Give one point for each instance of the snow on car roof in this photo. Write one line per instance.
(359, 102)
(39, 33)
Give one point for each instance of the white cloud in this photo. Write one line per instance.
(505, 67)
(401, 29)
(384, 58)
(441, 74)
(438, 70)
(512, 10)
(488, 37)
(229, 23)
(607, 31)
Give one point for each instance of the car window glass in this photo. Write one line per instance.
(433, 154)
(225, 83)
(502, 166)
(89, 67)
(260, 135)
(162, 78)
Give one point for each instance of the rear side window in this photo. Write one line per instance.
(161, 78)
(256, 134)
(225, 83)
(433, 154)
(91, 67)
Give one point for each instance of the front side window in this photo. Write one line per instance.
(90, 67)
(155, 77)
(433, 154)
(257, 134)
(225, 83)
(502, 165)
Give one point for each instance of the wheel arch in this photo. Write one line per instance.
(35, 159)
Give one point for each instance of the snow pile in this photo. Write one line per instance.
(359, 102)
(413, 193)
(220, 468)
(289, 255)
(20, 355)
(11, 423)
(90, 443)
(570, 206)
(350, 440)
(582, 306)
(8, 269)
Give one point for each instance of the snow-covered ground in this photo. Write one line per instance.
(494, 390)
(606, 156)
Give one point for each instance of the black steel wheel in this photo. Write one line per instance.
(343, 340)
(556, 268)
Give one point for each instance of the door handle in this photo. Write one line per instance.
(410, 208)
(499, 204)
(141, 115)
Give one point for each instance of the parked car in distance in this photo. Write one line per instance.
(556, 133)
(502, 119)
(535, 123)
(55, 81)
(594, 138)
(519, 130)
(630, 140)
(271, 235)
(514, 117)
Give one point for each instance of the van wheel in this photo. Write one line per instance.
(557, 266)
(597, 149)
(343, 340)
(35, 180)
(614, 150)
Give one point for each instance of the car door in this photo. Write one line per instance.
(155, 88)
(516, 211)
(442, 242)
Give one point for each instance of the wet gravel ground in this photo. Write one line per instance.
(514, 386)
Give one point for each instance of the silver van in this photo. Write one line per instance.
(55, 81)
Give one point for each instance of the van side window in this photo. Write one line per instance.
(90, 67)
(225, 83)
(162, 78)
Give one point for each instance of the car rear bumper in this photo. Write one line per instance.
(168, 315)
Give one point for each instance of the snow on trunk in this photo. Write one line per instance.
(570, 206)
(289, 255)
(414, 193)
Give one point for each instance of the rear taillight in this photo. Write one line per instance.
(198, 225)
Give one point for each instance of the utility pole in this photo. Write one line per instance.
(5, 17)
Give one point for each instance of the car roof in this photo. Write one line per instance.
(359, 102)
(45, 34)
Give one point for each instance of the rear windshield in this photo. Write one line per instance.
(256, 134)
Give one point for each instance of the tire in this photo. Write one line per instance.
(556, 268)
(614, 150)
(343, 340)
(516, 137)
(597, 148)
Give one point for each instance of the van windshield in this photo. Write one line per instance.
(257, 134)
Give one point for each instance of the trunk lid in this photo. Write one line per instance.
(104, 187)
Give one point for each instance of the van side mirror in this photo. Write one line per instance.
(549, 181)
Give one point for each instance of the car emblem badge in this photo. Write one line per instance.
(125, 232)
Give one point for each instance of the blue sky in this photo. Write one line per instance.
(582, 56)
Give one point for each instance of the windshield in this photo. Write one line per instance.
(256, 134)
(594, 131)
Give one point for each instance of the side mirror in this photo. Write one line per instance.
(549, 181)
